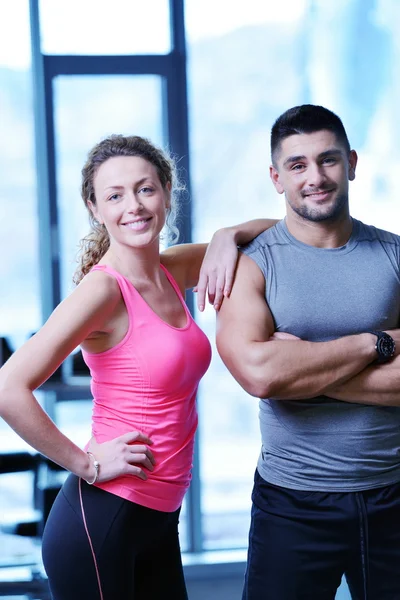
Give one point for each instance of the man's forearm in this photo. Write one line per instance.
(377, 385)
(291, 370)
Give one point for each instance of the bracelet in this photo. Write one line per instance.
(96, 465)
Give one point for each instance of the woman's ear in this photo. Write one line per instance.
(168, 188)
(95, 212)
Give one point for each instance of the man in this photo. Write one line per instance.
(305, 330)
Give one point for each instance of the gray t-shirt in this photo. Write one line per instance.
(320, 294)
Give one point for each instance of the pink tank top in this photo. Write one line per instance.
(148, 382)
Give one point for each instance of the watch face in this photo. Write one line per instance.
(385, 346)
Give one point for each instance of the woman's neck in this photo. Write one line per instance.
(141, 265)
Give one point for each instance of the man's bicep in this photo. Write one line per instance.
(244, 318)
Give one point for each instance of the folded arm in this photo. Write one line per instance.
(377, 385)
(282, 369)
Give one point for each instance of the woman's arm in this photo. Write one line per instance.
(86, 310)
(212, 265)
(245, 232)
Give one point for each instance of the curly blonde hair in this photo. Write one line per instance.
(96, 243)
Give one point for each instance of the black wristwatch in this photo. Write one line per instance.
(385, 346)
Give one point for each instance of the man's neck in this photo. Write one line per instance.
(321, 234)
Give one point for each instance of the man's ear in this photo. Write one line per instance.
(353, 158)
(95, 212)
(274, 174)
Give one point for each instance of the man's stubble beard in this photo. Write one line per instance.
(317, 215)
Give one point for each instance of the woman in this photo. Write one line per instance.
(113, 530)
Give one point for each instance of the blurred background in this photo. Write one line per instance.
(206, 80)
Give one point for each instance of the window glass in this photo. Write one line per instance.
(92, 27)
(20, 312)
(19, 273)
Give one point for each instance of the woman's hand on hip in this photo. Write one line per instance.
(127, 454)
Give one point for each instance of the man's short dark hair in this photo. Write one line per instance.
(307, 118)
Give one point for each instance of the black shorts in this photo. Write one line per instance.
(302, 543)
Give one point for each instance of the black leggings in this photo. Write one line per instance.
(136, 549)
